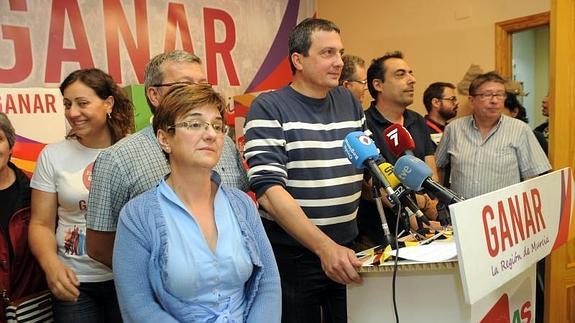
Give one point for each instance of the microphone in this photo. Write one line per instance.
(387, 170)
(415, 174)
(386, 233)
(362, 153)
(398, 140)
(402, 192)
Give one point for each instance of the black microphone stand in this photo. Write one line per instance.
(389, 239)
(443, 214)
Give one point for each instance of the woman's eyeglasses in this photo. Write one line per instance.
(197, 125)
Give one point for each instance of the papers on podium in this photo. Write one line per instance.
(432, 252)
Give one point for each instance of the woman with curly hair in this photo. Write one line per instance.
(99, 115)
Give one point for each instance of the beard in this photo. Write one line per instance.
(447, 113)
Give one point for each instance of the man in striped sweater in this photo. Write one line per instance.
(307, 189)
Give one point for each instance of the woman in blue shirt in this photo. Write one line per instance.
(192, 249)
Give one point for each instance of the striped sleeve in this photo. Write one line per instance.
(531, 157)
(265, 148)
(441, 155)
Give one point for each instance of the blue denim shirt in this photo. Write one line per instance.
(141, 257)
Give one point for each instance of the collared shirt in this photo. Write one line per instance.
(134, 165)
(369, 222)
(215, 286)
(141, 256)
(507, 155)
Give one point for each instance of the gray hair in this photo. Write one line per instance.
(8, 129)
(350, 63)
(153, 73)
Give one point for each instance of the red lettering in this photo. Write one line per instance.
(20, 36)
(24, 102)
(526, 312)
(18, 5)
(223, 48)
(38, 106)
(57, 54)
(504, 227)
(516, 221)
(50, 101)
(529, 224)
(490, 232)
(10, 106)
(177, 21)
(536, 198)
(139, 50)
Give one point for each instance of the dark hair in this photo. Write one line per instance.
(300, 36)
(484, 78)
(154, 74)
(512, 103)
(349, 67)
(8, 129)
(434, 91)
(181, 99)
(121, 119)
(377, 70)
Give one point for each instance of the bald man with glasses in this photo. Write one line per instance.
(488, 150)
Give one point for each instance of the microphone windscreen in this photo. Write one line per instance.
(358, 148)
(387, 170)
(398, 139)
(412, 172)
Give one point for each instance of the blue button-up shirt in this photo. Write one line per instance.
(212, 281)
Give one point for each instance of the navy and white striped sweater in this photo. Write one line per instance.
(296, 142)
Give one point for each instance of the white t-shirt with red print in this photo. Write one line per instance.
(65, 168)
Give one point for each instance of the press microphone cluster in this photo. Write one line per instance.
(402, 192)
(412, 171)
(416, 175)
(362, 153)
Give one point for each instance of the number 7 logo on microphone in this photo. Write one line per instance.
(392, 135)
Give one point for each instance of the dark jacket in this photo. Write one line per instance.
(21, 275)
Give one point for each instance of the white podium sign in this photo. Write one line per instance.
(501, 234)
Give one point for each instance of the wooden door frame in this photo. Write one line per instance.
(560, 265)
(503, 37)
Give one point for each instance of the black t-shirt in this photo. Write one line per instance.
(8, 202)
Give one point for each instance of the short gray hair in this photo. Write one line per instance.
(8, 129)
(350, 63)
(153, 73)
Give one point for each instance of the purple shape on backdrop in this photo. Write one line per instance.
(26, 140)
(279, 48)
